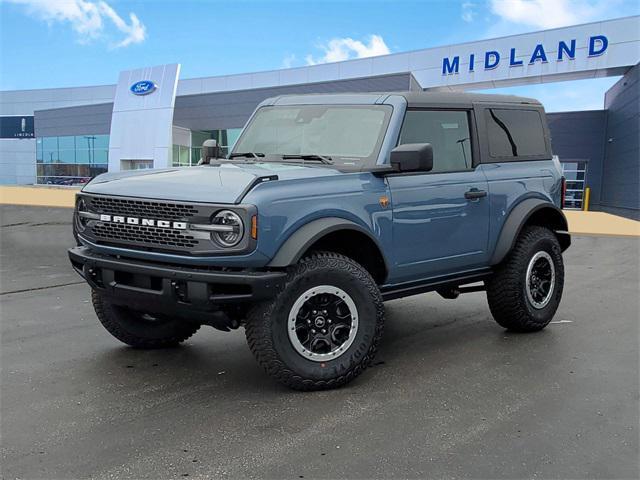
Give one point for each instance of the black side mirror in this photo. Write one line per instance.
(412, 157)
(210, 150)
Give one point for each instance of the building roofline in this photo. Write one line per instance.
(344, 62)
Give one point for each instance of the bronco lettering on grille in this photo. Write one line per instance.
(145, 222)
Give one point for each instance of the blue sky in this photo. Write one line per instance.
(60, 43)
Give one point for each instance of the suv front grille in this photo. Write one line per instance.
(142, 208)
(150, 236)
(148, 224)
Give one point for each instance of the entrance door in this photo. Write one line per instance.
(575, 173)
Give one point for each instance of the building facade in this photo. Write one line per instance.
(151, 118)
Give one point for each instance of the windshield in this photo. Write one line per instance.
(348, 135)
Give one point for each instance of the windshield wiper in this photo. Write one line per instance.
(312, 156)
(246, 155)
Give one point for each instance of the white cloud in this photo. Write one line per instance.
(548, 13)
(468, 11)
(89, 19)
(339, 49)
(288, 61)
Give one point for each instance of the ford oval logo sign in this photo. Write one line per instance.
(143, 87)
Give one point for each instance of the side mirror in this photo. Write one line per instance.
(210, 150)
(412, 157)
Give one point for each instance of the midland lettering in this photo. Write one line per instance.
(597, 45)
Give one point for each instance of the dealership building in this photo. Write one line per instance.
(153, 119)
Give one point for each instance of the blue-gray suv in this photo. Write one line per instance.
(327, 206)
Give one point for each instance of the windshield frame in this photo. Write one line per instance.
(346, 163)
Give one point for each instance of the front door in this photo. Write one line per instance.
(440, 218)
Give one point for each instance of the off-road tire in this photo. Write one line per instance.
(267, 327)
(132, 328)
(506, 290)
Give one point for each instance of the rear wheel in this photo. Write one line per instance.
(138, 329)
(526, 289)
(322, 330)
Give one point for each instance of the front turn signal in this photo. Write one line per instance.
(254, 227)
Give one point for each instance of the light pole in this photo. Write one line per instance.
(91, 143)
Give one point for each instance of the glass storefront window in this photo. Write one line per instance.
(101, 142)
(50, 143)
(71, 160)
(100, 156)
(181, 156)
(175, 155)
(184, 155)
(67, 143)
(136, 164)
(67, 156)
(39, 150)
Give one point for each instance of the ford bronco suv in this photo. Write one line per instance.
(326, 207)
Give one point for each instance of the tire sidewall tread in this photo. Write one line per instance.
(506, 292)
(267, 333)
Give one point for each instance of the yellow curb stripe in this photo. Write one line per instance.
(600, 223)
(38, 196)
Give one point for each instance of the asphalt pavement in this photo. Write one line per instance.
(451, 394)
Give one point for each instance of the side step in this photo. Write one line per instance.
(449, 285)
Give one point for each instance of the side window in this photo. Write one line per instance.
(515, 133)
(446, 131)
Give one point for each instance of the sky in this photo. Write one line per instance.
(64, 43)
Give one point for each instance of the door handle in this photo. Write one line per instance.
(475, 193)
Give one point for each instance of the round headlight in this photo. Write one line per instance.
(231, 228)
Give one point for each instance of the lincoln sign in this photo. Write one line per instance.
(491, 59)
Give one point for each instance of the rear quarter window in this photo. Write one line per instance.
(515, 134)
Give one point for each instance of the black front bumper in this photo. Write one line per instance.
(157, 288)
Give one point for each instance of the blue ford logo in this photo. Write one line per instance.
(143, 87)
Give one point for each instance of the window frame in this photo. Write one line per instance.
(473, 137)
(487, 158)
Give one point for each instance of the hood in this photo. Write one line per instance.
(225, 183)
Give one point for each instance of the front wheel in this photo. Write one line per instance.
(322, 330)
(526, 289)
(139, 329)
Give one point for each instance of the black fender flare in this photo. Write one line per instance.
(519, 216)
(298, 243)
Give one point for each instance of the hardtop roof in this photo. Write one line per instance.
(464, 97)
(439, 98)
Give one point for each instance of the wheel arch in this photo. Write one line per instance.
(532, 211)
(337, 235)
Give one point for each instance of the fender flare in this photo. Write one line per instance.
(298, 243)
(518, 217)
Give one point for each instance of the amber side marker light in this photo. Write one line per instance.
(254, 227)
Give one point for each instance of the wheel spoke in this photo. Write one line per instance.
(323, 323)
(540, 279)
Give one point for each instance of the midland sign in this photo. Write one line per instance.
(564, 50)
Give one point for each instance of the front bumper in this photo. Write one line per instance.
(157, 288)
